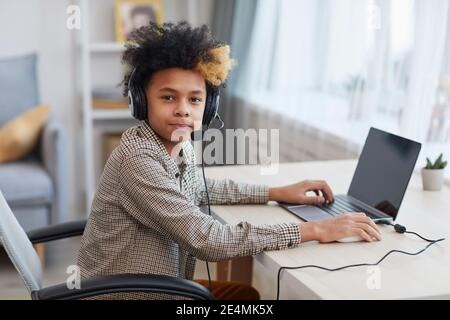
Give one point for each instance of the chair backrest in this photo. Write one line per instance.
(19, 248)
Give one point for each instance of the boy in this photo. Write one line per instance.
(145, 216)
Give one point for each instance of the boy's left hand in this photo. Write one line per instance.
(297, 193)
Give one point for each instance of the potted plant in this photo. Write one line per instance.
(433, 174)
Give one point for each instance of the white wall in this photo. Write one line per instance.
(40, 25)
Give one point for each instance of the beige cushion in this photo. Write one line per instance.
(19, 135)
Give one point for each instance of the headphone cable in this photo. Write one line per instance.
(217, 116)
(209, 211)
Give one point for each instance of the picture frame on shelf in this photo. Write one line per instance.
(133, 14)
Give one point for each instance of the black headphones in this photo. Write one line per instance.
(137, 102)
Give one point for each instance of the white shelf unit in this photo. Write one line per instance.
(107, 47)
(111, 115)
(95, 120)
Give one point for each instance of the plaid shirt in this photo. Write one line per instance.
(145, 217)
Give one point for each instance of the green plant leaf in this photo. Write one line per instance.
(429, 164)
(438, 162)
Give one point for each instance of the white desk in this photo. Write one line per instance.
(402, 277)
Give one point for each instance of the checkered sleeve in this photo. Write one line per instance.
(229, 192)
(152, 196)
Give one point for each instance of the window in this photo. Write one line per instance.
(354, 62)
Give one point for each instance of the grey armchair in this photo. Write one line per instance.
(34, 187)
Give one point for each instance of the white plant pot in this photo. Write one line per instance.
(432, 179)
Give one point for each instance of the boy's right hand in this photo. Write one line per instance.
(342, 226)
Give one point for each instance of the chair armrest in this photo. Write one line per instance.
(53, 153)
(125, 283)
(57, 231)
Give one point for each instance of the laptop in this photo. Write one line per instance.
(379, 183)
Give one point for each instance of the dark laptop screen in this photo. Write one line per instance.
(384, 170)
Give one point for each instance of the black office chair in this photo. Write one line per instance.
(18, 245)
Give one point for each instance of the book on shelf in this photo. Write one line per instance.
(108, 98)
(109, 104)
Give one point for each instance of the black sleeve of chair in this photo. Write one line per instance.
(126, 283)
(57, 231)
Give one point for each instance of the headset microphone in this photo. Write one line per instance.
(197, 135)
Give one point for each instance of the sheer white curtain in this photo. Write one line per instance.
(282, 49)
(341, 66)
(426, 66)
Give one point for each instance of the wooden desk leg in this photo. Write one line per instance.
(223, 270)
(241, 270)
(238, 270)
(40, 250)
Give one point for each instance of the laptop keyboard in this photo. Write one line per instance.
(340, 206)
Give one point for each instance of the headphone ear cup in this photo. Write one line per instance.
(137, 102)
(131, 104)
(211, 106)
(137, 99)
(141, 104)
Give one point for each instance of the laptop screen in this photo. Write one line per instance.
(384, 170)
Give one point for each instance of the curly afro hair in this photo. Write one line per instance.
(157, 47)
